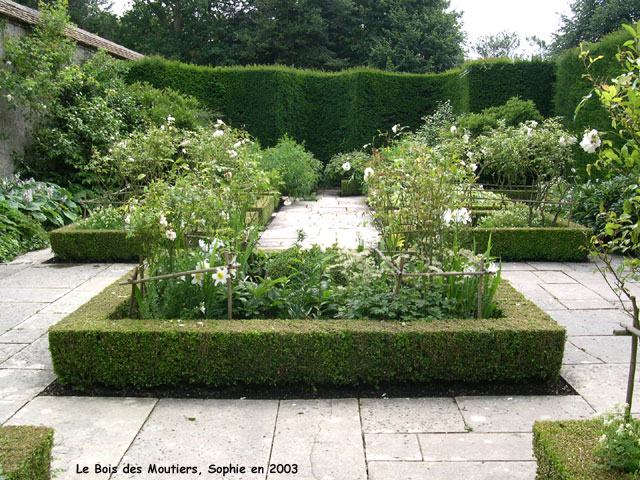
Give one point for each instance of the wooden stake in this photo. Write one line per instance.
(480, 288)
(133, 291)
(399, 276)
(229, 286)
(634, 357)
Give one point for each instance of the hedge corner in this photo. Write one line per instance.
(25, 452)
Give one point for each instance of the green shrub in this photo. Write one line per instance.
(565, 450)
(512, 113)
(297, 168)
(94, 346)
(25, 453)
(346, 166)
(104, 218)
(514, 215)
(571, 87)
(18, 233)
(598, 196)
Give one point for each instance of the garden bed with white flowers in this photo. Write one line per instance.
(76, 243)
(98, 346)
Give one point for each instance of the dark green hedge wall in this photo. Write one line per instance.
(493, 82)
(571, 87)
(338, 112)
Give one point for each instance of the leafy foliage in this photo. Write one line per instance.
(619, 446)
(297, 168)
(347, 166)
(514, 112)
(501, 45)
(18, 233)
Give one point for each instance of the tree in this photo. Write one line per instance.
(91, 15)
(502, 45)
(592, 19)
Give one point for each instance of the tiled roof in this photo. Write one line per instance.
(27, 15)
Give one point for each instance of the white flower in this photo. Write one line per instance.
(127, 219)
(232, 153)
(493, 268)
(221, 275)
(9, 97)
(163, 221)
(131, 159)
(473, 167)
(454, 129)
(395, 128)
(573, 170)
(368, 172)
(170, 234)
(461, 216)
(170, 119)
(470, 155)
(287, 201)
(238, 144)
(183, 150)
(465, 138)
(122, 145)
(572, 140)
(529, 130)
(219, 123)
(28, 196)
(346, 166)
(8, 62)
(447, 216)
(562, 142)
(603, 438)
(228, 175)
(469, 269)
(591, 141)
(161, 127)
(218, 133)
(534, 124)
(203, 309)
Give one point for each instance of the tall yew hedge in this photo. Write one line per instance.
(336, 112)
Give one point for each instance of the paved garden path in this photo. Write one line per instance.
(341, 439)
(330, 220)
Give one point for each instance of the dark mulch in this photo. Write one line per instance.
(559, 387)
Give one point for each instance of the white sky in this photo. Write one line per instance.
(488, 17)
(525, 17)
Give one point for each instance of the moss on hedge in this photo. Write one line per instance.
(564, 451)
(559, 244)
(25, 452)
(93, 347)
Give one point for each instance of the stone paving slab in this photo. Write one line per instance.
(12, 314)
(8, 408)
(32, 328)
(575, 356)
(602, 385)
(392, 447)
(520, 276)
(70, 302)
(203, 433)
(589, 322)
(600, 304)
(539, 296)
(410, 415)
(37, 256)
(88, 430)
(452, 470)
(16, 385)
(554, 277)
(466, 447)
(55, 276)
(117, 270)
(30, 295)
(570, 291)
(517, 414)
(7, 350)
(322, 437)
(7, 269)
(97, 283)
(35, 356)
(609, 349)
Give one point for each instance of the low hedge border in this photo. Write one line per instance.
(350, 188)
(564, 451)
(560, 244)
(25, 453)
(72, 243)
(94, 347)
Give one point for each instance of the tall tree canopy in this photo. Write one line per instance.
(403, 35)
(592, 19)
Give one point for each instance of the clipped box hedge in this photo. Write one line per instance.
(73, 243)
(25, 453)
(350, 188)
(95, 346)
(564, 451)
(559, 244)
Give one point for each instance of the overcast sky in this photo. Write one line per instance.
(487, 17)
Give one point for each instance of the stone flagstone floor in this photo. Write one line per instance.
(340, 439)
